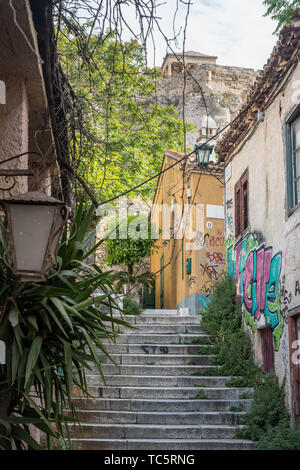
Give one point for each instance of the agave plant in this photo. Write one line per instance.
(52, 331)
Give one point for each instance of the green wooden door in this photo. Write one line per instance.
(149, 297)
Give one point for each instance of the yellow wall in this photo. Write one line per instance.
(205, 248)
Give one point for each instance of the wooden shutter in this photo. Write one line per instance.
(238, 209)
(242, 205)
(245, 202)
(267, 349)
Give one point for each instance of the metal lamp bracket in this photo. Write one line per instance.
(7, 173)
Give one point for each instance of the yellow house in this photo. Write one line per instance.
(188, 209)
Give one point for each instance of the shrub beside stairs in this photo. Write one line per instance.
(159, 397)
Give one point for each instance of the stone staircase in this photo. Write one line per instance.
(158, 398)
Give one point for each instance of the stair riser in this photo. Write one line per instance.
(95, 417)
(163, 394)
(159, 406)
(169, 349)
(160, 312)
(163, 329)
(141, 381)
(110, 369)
(131, 432)
(151, 360)
(138, 338)
(161, 320)
(159, 445)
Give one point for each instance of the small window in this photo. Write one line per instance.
(242, 205)
(267, 349)
(293, 159)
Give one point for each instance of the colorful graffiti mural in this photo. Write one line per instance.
(257, 274)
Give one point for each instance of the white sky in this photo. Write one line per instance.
(233, 30)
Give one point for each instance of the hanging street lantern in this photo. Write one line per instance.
(35, 224)
(203, 153)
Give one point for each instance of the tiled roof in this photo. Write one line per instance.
(192, 160)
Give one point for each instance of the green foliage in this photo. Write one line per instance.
(51, 331)
(201, 395)
(131, 307)
(280, 437)
(237, 382)
(268, 415)
(223, 313)
(233, 349)
(126, 130)
(135, 245)
(213, 372)
(237, 409)
(281, 11)
(235, 356)
(207, 350)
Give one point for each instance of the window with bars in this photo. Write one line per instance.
(293, 159)
(242, 205)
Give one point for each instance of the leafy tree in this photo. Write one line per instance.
(127, 129)
(133, 241)
(51, 331)
(281, 11)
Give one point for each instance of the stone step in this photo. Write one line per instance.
(148, 405)
(159, 381)
(161, 319)
(153, 348)
(177, 418)
(157, 359)
(152, 399)
(162, 312)
(160, 393)
(111, 369)
(148, 431)
(137, 338)
(149, 328)
(162, 444)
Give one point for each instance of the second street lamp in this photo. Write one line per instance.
(203, 153)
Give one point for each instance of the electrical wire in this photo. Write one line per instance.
(243, 111)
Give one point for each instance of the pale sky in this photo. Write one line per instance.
(233, 30)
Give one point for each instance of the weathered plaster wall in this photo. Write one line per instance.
(14, 129)
(24, 117)
(266, 261)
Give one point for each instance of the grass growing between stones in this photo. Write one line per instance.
(201, 341)
(268, 420)
(206, 351)
(239, 408)
(201, 395)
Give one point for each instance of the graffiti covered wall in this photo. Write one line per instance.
(257, 269)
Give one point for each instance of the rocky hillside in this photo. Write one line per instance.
(225, 89)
